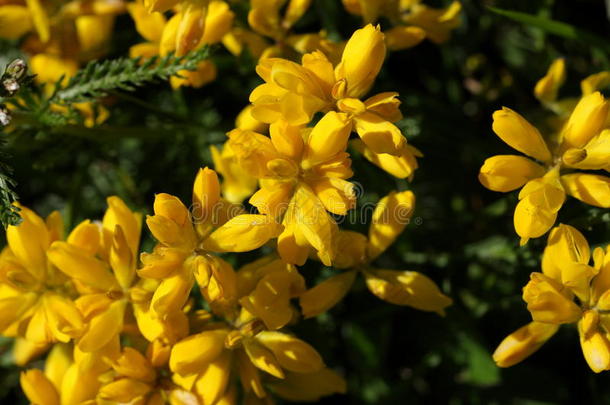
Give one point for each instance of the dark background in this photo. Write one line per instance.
(464, 238)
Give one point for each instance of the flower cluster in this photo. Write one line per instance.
(569, 290)
(554, 165)
(180, 324)
(571, 161)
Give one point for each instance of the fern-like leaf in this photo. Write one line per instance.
(97, 79)
(9, 213)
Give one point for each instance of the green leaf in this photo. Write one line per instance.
(554, 27)
(97, 79)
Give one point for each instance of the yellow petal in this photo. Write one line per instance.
(118, 213)
(243, 233)
(172, 293)
(326, 295)
(247, 122)
(522, 343)
(263, 358)
(547, 87)
(15, 21)
(351, 250)
(159, 5)
(193, 354)
(124, 390)
(294, 11)
(403, 37)
(192, 22)
(94, 33)
(508, 172)
(595, 155)
(218, 22)
(270, 300)
(586, 121)
(25, 351)
(592, 189)
(358, 71)
(63, 319)
(292, 354)
(379, 135)
(386, 105)
(549, 301)
(206, 193)
(565, 245)
(391, 216)
(287, 139)
(103, 327)
(596, 350)
(518, 133)
(337, 195)
(249, 375)
(86, 236)
(310, 386)
(407, 288)
(149, 25)
(122, 261)
(40, 19)
(253, 151)
(401, 166)
(38, 388)
(57, 364)
(595, 82)
(77, 264)
(328, 137)
(314, 223)
(29, 242)
(212, 382)
(272, 199)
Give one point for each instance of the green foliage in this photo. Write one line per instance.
(9, 213)
(555, 27)
(97, 79)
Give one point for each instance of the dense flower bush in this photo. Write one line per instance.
(272, 201)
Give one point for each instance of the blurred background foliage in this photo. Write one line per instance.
(461, 235)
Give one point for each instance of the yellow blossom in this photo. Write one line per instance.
(551, 299)
(581, 145)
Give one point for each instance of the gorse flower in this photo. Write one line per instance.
(302, 176)
(357, 251)
(582, 144)
(294, 93)
(179, 324)
(162, 37)
(37, 299)
(411, 20)
(186, 241)
(569, 290)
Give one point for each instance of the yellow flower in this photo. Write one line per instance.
(295, 92)
(356, 252)
(36, 299)
(203, 362)
(272, 20)
(302, 175)
(550, 296)
(523, 342)
(68, 378)
(266, 287)
(190, 28)
(186, 240)
(237, 184)
(136, 378)
(581, 145)
(413, 21)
